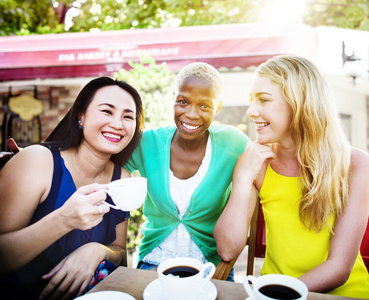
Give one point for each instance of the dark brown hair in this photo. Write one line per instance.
(67, 134)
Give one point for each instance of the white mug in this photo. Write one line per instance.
(275, 286)
(127, 193)
(183, 277)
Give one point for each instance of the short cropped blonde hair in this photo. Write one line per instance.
(203, 71)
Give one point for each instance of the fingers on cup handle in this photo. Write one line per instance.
(112, 206)
(108, 204)
(106, 191)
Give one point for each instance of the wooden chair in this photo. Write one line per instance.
(255, 243)
(124, 261)
(364, 248)
(12, 145)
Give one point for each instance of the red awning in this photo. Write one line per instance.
(101, 53)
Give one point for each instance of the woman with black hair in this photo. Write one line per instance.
(55, 232)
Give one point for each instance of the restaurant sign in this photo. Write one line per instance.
(116, 55)
(242, 49)
(95, 54)
(83, 56)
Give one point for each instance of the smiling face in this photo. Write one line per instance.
(270, 112)
(110, 120)
(195, 106)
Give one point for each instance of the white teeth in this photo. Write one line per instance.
(260, 125)
(112, 136)
(190, 127)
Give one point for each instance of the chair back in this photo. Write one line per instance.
(364, 248)
(253, 238)
(255, 242)
(260, 245)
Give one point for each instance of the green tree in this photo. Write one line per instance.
(127, 14)
(352, 14)
(48, 16)
(154, 84)
(18, 17)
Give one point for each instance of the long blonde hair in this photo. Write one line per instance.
(322, 148)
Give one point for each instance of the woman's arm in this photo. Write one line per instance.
(24, 183)
(232, 227)
(71, 277)
(348, 231)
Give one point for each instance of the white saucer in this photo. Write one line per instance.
(111, 295)
(153, 292)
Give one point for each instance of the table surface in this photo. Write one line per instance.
(134, 281)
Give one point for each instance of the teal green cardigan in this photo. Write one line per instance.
(152, 160)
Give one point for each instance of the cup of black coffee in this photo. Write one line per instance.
(275, 286)
(183, 277)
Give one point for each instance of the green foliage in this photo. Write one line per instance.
(154, 84)
(18, 17)
(352, 14)
(134, 233)
(127, 14)
(130, 14)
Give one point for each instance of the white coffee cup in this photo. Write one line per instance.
(275, 286)
(127, 193)
(174, 282)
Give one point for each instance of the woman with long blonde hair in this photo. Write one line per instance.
(313, 187)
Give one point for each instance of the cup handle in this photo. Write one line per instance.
(247, 286)
(108, 204)
(210, 273)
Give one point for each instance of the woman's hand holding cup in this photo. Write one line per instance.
(85, 208)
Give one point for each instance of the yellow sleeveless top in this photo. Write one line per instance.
(293, 250)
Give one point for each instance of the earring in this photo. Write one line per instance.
(79, 124)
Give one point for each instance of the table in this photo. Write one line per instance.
(134, 281)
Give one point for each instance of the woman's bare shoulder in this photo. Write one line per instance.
(34, 150)
(34, 157)
(359, 174)
(359, 160)
(27, 175)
